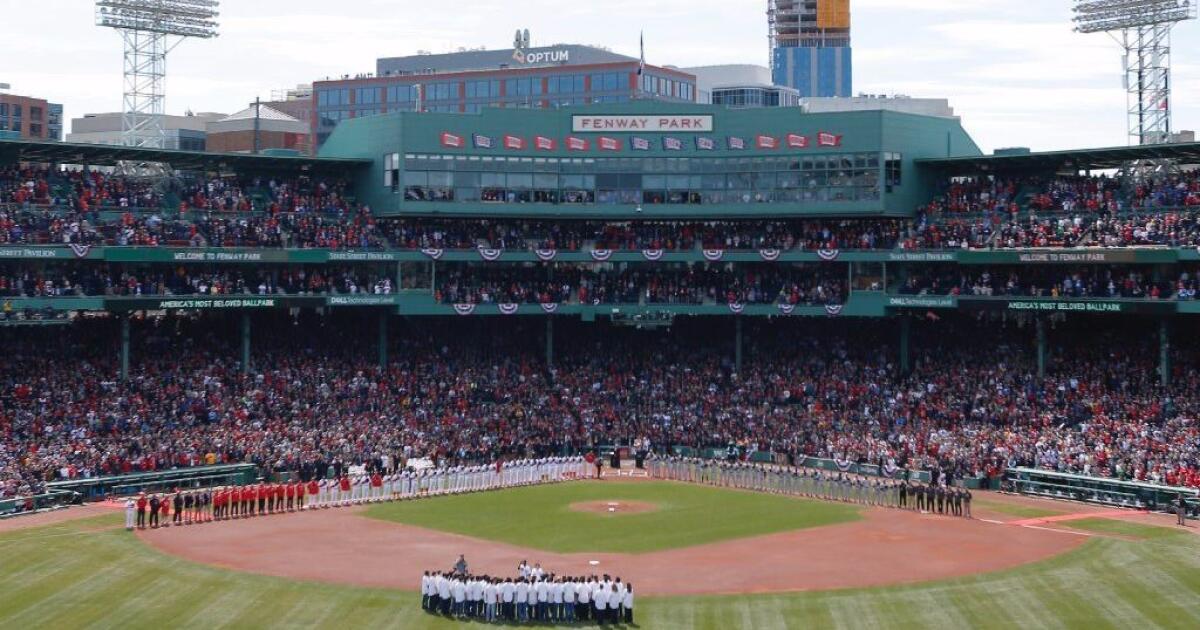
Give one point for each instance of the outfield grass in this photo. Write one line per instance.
(65, 576)
(1124, 528)
(539, 517)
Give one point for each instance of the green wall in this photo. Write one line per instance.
(861, 132)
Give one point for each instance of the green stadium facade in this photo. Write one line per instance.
(621, 162)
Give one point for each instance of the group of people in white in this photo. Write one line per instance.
(535, 595)
(360, 488)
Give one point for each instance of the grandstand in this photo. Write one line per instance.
(860, 286)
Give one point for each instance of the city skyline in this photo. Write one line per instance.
(1018, 76)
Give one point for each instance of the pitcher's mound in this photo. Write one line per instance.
(614, 507)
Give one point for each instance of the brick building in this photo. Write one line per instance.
(31, 118)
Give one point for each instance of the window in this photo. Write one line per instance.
(333, 98)
(483, 89)
(606, 82)
(891, 167)
(367, 96)
(831, 178)
(35, 113)
(399, 93)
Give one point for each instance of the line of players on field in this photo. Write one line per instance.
(535, 596)
(815, 483)
(223, 503)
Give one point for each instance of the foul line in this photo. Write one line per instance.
(1061, 531)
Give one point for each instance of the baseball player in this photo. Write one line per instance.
(131, 513)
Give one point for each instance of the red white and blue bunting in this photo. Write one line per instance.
(490, 254)
(546, 255)
(828, 255)
(601, 255)
(713, 255)
(80, 251)
(508, 309)
(464, 309)
(890, 468)
(652, 254)
(550, 307)
(787, 309)
(737, 307)
(433, 252)
(833, 310)
(769, 255)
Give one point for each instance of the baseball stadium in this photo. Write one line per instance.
(633, 358)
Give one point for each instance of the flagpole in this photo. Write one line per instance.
(641, 60)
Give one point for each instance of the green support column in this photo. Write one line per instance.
(1041, 347)
(383, 339)
(550, 341)
(1164, 352)
(125, 347)
(738, 342)
(905, 323)
(245, 343)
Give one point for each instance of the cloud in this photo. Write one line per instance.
(1015, 71)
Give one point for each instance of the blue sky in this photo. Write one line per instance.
(1015, 71)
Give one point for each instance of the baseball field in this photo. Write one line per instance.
(700, 557)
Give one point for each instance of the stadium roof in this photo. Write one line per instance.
(469, 60)
(1076, 159)
(109, 155)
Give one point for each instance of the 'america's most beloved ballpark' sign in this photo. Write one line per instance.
(662, 123)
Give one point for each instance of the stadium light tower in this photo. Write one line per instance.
(151, 29)
(1143, 29)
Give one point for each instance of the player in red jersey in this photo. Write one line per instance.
(314, 489)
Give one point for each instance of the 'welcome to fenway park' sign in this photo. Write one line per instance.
(691, 123)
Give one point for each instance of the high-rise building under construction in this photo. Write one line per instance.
(810, 46)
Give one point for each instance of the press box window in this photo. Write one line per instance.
(391, 172)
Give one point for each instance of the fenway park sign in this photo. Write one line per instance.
(661, 123)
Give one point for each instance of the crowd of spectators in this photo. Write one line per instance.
(65, 280)
(468, 390)
(701, 283)
(1055, 282)
(55, 206)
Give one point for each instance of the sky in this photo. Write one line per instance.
(1015, 71)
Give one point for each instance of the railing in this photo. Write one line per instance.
(196, 477)
(51, 499)
(1100, 490)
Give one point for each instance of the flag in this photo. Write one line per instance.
(451, 141)
(481, 141)
(705, 144)
(542, 143)
(608, 144)
(828, 140)
(797, 141)
(672, 144)
(642, 45)
(639, 144)
(514, 142)
(735, 143)
(576, 144)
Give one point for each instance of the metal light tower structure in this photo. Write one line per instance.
(150, 30)
(1143, 29)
